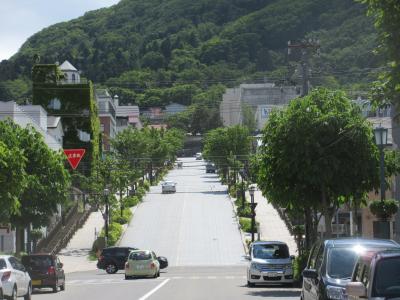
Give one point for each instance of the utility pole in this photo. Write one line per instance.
(306, 48)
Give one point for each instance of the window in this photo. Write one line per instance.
(142, 255)
(3, 264)
(270, 251)
(73, 77)
(387, 278)
(319, 258)
(55, 104)
(341, 262)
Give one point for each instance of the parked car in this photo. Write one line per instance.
(270, 262)
(163, 262)
(330, 266)
(375, 276)
(199, 156)
(142, 263)
(45, 270)
(168, 187)
(210, 167)
(15, 279)
(113, 259)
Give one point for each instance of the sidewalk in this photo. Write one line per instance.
(272, 227)
(75, 255)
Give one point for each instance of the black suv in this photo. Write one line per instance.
(113, 259)
(330, 266)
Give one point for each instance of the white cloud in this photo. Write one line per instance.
(19, 19)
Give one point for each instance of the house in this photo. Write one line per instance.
(155, 115)
(108, 116)
(35, 116)
(258, 97)
(128, 115)
(71, 74)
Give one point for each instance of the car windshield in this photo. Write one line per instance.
(3, 264)
(387, 278)
(270, 251)
(140, 255)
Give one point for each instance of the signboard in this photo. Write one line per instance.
(74, 156)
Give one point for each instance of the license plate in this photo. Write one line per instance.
(273, 274)
(36, 282)
(140, 267)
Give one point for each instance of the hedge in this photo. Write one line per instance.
(124, 219)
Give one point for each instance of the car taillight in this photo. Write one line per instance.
(101, 257)
(126, 265)
(152, 265)
(51, 271)
(6, 276)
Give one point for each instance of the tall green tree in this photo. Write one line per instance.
(317, 153)
(387, 21)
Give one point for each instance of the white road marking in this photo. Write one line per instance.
(211, 277)
(154, 290)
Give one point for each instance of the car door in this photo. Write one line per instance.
(308, 283)
(121, 255)
(19, 275)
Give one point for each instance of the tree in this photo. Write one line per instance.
(387, 21)
(317, 153)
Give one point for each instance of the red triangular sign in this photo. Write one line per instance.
(74, 156)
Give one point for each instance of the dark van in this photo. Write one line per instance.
(45, 270)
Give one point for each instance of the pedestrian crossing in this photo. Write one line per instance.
(121, 280)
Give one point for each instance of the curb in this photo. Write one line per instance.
(242, 234)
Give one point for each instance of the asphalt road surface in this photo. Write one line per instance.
(195, 226)
(175, 283)
(196, 229)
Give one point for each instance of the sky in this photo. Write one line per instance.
(19, 19)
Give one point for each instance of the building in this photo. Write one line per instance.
(260, 98)
(174, 108)
(128, 116)
(71, 98)
(108, 117)
(24, 116)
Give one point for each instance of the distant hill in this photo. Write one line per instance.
(159, 51)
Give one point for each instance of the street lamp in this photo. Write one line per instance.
(253, 211)
(381, 134)
(106, 192)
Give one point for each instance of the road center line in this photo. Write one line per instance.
(154, 290)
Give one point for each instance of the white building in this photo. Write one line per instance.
(71, 74)
(35, 116)
(261, 98)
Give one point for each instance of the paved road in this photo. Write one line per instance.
(176, 283)
(195, 226)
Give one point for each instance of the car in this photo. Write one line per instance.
(270, 262)
(330, 266)
(142, 263)
(199, 156)
(113, 259)
(168, 187)
(15, 279)
(376, 275)
(210, 167)
(45, 270)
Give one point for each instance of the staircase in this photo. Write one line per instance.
(62, 234)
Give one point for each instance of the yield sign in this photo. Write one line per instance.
(74, 156)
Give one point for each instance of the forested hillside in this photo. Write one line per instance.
(158, 51)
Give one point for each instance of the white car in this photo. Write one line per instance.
(199, 156)
(15, 279)
(270, 262)
(168, 187)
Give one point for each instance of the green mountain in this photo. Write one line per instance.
(158, 51)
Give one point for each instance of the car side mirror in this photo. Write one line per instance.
(60, 265)
(247, 257)
(310, 273)
(356, 289)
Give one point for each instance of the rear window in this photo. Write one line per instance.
(140, 255)
(3, 264)
(38, 262)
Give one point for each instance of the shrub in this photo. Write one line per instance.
(125, 218)
(114, 233)
(146, 185)
(131, 201)
(244, 212)
(299, 264)
(140, 192)
(384, 209)
(245, 224)
(232, 191)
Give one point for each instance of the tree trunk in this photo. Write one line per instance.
(308, 228)
(120, 202)
(327, 214)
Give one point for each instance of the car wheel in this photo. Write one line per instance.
(250, 284)
(111, 269)
(62, 287)
(28, 293)
(127, 277)
(55, 288)
(14, 294)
